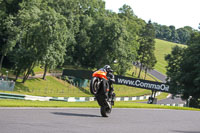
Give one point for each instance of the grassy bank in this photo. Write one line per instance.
(162, 48)
(52, 86)
(23, 103)
(55, 87)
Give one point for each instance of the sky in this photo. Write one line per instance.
(179, 13)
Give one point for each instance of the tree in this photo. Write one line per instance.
(133, 26)
(173, 68)
(108, 41)
(9, 39)
(146, 49)
(184, 70)
(8, 9)
(28, 22)
(126, 11)
(150, 63)
(53, 35)
(184, 35)
(79, 51)
(166, 32)
(43, 38)
(174, 35)
(158, 31)
(80, 15)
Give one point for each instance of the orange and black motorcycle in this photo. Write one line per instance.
(100, 87)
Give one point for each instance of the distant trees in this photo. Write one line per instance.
(183, 71)
(184, 35)
(181, 35)
(174, 35)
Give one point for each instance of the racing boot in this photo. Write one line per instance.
(112, 99)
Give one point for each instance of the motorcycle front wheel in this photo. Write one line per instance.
(105, 111)
(94, 86)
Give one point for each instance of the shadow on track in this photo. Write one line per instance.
(74, 114)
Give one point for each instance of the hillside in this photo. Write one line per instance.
(163, 48)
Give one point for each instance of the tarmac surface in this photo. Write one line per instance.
(158, 75)
(82, 120)
(169, 100)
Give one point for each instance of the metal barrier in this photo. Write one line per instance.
(7, 85)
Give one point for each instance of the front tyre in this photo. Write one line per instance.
(94, 85)
(105, 111)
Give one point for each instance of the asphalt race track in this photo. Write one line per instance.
(68, 120)
(169, 100)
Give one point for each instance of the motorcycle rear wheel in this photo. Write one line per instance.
(105, 111)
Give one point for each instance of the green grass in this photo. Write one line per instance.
(23, 103)
(162, 48)
(58, 88)
(55, 87)
(38, 70)
(163, 95)
(52, 86)
(127, 91)
(135, 70)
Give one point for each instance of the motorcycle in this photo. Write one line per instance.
(100, 87)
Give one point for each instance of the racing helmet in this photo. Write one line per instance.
(107, 68)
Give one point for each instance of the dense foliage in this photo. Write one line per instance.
(70, 32)
(183, 71)
(170, 33)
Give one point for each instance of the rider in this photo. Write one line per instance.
(111, 80)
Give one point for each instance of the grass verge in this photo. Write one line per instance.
(24, 103)
(162, 48)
